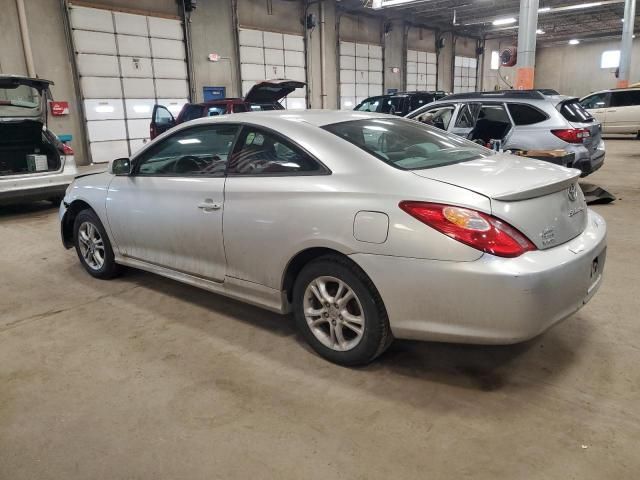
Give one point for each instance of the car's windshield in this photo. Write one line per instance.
(19, 100)
(406, 144)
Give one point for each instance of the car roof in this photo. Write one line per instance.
(318, 118)
(608, 90)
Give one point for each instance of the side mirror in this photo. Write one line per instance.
(121, 166)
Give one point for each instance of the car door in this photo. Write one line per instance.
(269, 182)
(168, 212)
(465, 119)
(161, 121)
(623, 114)
(597, 105)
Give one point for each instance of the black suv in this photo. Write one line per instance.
(399, 103)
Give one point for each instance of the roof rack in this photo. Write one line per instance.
(531, 94)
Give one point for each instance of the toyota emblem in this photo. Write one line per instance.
(572, 192)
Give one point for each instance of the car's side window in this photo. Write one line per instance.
(625, 98)
(525, 114)
(259, 152)
(191, 112)
(216, 110)
(597, 100)
(439, 117)
(195, 151)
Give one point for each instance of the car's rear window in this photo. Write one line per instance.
(406, 144)
(574, 112)
(19, 100)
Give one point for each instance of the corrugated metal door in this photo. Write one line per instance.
(464, 74)
(360, 73)
(127, 63)
(272, 55)
(422, 70)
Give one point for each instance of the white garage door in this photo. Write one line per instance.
(422, 70)
(126, 64)
(269, 56)
(360, 73)
(464, 77)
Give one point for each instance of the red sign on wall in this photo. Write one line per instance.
(59, 108)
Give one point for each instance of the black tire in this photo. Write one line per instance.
(109, 267)
(376, 336)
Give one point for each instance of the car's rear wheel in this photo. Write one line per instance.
(339, 312)
(93, 246)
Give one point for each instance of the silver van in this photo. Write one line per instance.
(618, 110)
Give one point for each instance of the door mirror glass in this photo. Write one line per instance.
(121, 166)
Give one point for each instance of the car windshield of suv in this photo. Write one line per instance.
(407, 145)
(21, 100)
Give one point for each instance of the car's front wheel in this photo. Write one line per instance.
(93, 246)
(339, 312)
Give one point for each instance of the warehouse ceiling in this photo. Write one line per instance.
(560, 20)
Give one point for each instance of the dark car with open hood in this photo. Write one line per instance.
(34, 163)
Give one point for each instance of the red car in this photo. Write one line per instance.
(262, 96)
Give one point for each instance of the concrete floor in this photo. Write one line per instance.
(142, 377)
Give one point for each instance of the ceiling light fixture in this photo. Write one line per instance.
(504, 21)
(378, 4)
(574, 41)
(544, 9)
(540, 31)
(583, 5)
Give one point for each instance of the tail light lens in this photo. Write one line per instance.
(572, 135)
(66, 149)
(476, 229)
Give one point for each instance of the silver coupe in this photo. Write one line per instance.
(368, 227)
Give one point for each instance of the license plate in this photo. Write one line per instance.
(595, 273)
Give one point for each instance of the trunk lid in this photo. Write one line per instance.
(538, 198)
(270, 91)
(23, 97)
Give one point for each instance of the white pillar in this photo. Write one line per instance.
(627, 43)
(527, 26)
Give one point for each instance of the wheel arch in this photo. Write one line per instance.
(302, 258)
(74, 208)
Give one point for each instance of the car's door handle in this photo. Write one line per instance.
(611, 111)
(209, 205)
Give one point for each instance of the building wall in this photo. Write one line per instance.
(504, 77)
(50, 57)
(575, 69)
(395, 57)
(213, 31)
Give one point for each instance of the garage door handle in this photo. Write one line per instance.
(209, 206)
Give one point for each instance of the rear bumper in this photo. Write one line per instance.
(31, 187)
(588, 162)
(492, 300)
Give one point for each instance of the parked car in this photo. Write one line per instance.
(424, 235)
(521, 120)
(398, 103)
(34, 163)
(262, 96)
(618, 110)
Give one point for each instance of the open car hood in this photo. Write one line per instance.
(270, 91)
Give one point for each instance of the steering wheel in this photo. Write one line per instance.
(188, 163)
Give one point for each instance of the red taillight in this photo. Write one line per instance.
(572, 135)
(66, 149)
(476, 229)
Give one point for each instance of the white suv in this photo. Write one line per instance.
(618, 110)
(34, 163)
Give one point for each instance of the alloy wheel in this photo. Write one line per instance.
(91, 245)
(334, 313)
